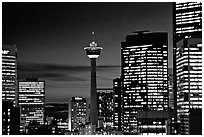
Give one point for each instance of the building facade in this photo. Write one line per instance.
(31, 102)
(187, 30)
(105, 108)
(78, 113)
(189, 79)
(187, 19)
(144, 79)
(9, 73)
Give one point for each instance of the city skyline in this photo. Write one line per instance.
(147, 80)
(50, 40)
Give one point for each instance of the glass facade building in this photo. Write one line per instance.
(9, 73)
(78, 113)
(144, 77)
(31, 102)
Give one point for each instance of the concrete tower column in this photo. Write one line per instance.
(94, 108)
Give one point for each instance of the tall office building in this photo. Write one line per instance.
(31, 101)
(9, 73)
(105, 107)
(187, 17)
(144, 79)
(117, 104)
(189, 79)
(78, 113)
(93, 53)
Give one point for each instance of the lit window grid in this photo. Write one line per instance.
(31, 100)
(105, 106)
(130, 71)
(187, 15)
(194, 75)
(189, 82)
(31, 93)
(78, 113)
(9, 77)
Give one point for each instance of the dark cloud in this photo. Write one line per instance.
(58, 72)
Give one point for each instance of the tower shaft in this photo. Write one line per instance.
(93, 103)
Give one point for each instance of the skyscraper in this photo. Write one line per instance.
(78, 113)
(144, 81)
(31, 101)
(9, 73)
(187, 17)
(93, 53)
(189, 79)
(105, 107)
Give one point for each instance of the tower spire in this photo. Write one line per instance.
(93, 38)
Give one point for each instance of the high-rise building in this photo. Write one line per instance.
(187, 19)
(117, 104)
(78, 113)
(189, 79)
(144, 79)
(57, 117)
(10, 118)
(105, 107)
(187, 56)
(31, 102)
(9, 73)
(93, 53)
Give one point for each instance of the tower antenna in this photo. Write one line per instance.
(93, 38)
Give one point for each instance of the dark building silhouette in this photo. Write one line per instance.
(93, 53)
(105, 108)
(9, 73)
(117, 102)
(195, 121)
(10, 118)
(57, 117)
(187, 65)
(144, 79)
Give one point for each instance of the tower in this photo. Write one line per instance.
(187, 30)
(93, 53)
(31, 102)
(9, 74)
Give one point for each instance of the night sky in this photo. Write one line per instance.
(50, 39)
